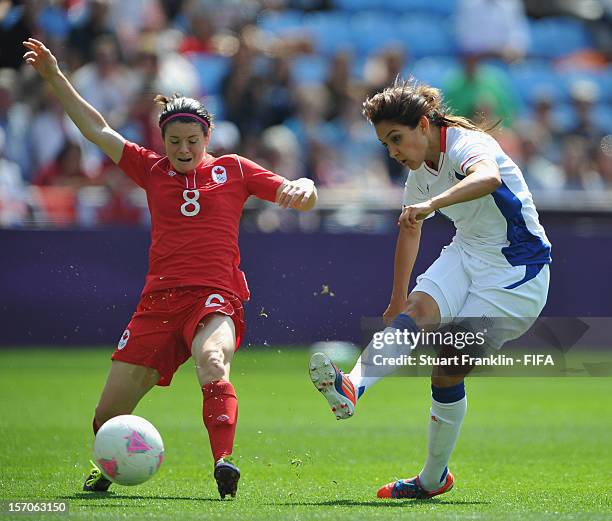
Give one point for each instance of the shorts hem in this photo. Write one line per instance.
(428, 286)
(163, 381)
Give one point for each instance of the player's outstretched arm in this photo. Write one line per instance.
(406, 250)
(89, 121)
(300, 194)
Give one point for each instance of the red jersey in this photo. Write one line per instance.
(195, 217)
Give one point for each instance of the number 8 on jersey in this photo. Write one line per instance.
(191, 199)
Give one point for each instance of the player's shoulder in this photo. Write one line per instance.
(227, 160)
(459, 136)
(462, 143)
(143, 151)
(224, 159)
(133, 151)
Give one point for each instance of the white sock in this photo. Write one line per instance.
(366, 373)
(445, 421)
(360, 382)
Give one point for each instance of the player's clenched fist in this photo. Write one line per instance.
(299, 194)
(415, 212)
(41, 58)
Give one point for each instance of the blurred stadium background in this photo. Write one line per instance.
(285, 80)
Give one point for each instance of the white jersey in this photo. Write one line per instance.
(501, 228)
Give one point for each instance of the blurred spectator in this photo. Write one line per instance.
(146, 63)
(584, 96)
(117, 200)
(276, 102)
(241, 90)
(13, 191)
(14, 121)
(478, 84)
(65, 170)
(338, 84)
(141, 124)
(18, 22)
(131, 18)
(603, 160)
(326, 165)
(578, 165)
(225, 138)
(281, 150)
(172, 8)
(105, 82)
(49, 131)
(91, 20)
(308, 124)
(199, 39)
(382, 68)
(492, 28)
(363, 157)
(53, 21)
(380, 71)
(540, 173)
(546, 130)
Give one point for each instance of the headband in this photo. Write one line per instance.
(184, 115)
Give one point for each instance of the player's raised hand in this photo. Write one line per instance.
(41, 58)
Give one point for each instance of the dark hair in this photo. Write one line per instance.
(67, 147)
(193, 109)
(407, 101)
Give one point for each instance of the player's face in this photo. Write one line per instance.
(185, 145)
(406, 145)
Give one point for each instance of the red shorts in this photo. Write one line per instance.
(161, 330)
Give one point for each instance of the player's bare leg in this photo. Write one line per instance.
(125, 386)
(213, 349)
(341, 390)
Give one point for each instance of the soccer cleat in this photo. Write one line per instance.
(96, 482)
(334, 385)
(227, 476)
(412, 489)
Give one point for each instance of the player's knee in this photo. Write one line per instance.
(417, 310)
(212, 364)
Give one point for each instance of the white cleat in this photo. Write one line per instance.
(334, 385)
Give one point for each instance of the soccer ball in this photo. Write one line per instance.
(128, 450)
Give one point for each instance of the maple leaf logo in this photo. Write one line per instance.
(219, 174)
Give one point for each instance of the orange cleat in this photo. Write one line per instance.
(412, 489)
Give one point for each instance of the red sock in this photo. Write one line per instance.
(220, 413)
(95, 426)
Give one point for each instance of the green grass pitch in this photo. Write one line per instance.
(531, 448)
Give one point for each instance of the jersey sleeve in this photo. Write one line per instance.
(260, 182)
(470, 148)
(137, 162)
(414, 193)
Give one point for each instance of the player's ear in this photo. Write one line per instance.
(424, 124)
